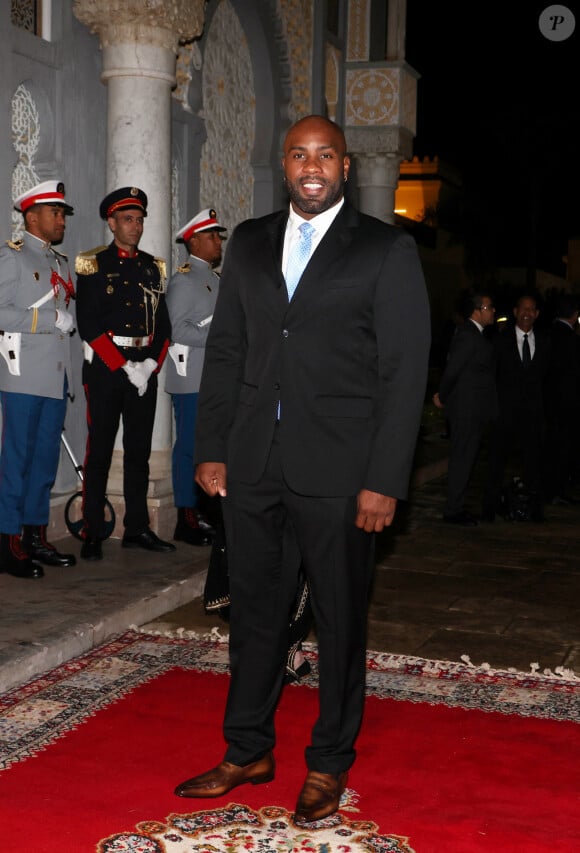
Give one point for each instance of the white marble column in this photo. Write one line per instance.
(139, 46)
(377, 179)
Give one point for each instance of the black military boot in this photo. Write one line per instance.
(15, 561)
(35, 543)
(192, 527)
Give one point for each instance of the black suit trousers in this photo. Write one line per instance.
(112, 398)
(514, 432)
(337, 558)
(466, 433)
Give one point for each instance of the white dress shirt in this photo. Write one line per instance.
(321, 223)
(520, 340)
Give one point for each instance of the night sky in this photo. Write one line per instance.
(501, 102)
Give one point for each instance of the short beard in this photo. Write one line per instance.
(315, 206)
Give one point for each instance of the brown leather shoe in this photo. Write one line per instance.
(226, 776)
(320, 796)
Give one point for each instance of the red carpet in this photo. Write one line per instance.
(448, 779)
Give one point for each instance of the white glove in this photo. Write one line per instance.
(64, 321)
(139, 373)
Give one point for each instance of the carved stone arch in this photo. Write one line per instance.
(263, 31)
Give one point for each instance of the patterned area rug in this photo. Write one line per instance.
(451, 757)
(33, 715)
(239, 829)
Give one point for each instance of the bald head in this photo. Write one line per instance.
(315, 165)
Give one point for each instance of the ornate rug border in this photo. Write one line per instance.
(45, 708)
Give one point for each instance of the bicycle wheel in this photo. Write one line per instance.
(74, 518)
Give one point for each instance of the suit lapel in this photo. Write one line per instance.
(332, 246)
(275, 231)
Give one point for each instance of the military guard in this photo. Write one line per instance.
(37, 320)
(191, 298)
(124, 325)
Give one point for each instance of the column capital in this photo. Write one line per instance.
(161, 23)
(378, 169)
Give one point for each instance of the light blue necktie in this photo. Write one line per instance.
(298, 258)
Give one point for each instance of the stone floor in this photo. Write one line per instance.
(505, 594)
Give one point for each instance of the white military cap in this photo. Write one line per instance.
(49, 192)
(205, 220)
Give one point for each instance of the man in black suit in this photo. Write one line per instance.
(521, 361)
(563, 400)
(309, 409)
(467, 392)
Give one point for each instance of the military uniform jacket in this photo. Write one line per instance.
(30, 270)
(191, 299)
(122, 297)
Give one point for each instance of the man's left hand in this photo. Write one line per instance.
(374, 511)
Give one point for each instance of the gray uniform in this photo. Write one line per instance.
(29, 271)
(191, 298)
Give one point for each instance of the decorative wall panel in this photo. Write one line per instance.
(24, 14)
(229, 105)
(372, 96)
(297, 17)
(358, 41)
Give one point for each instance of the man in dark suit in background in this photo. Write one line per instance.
(467, 392)
(521, 361)
(563, 400)
(309, 409)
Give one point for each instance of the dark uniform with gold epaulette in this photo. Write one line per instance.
(122, 317)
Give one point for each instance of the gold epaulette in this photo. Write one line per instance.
(86, 263)
(162, 267)
(184, 268)
(15, 244)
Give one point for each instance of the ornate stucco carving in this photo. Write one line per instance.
(229, 106)
(188, 57)
(372, 96)
(358, 40)
(386, 140)
(161, 23)
(22, 14)
(25, 139)
(297, 18)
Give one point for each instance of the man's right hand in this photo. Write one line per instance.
(211, 476)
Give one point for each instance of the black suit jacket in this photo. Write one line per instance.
(520, 389)
(346, 359)
(467, 388)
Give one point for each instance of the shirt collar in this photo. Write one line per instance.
(320, 222)
(200, 261)
(37, 242)
(520, 333)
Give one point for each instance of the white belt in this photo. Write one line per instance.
(123, 341)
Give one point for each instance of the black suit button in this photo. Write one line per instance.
(276, 386)
(285, 333)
